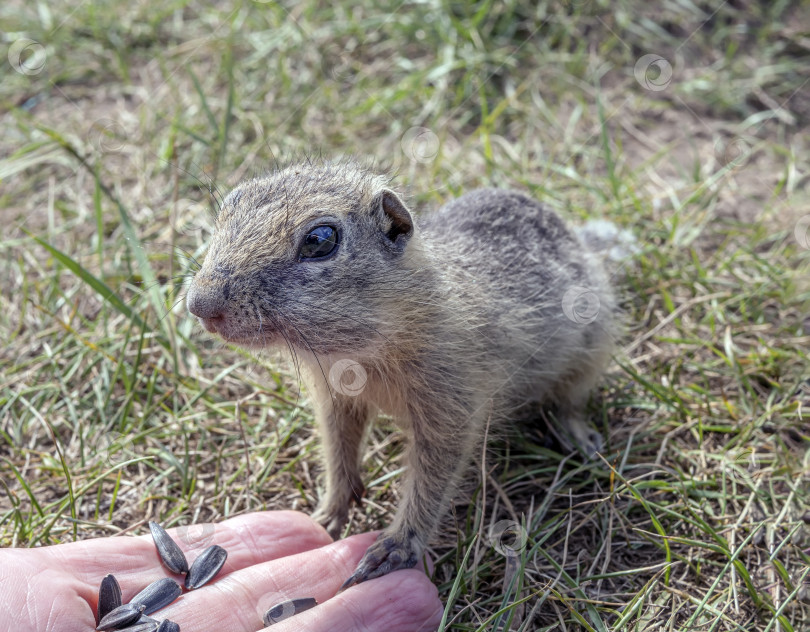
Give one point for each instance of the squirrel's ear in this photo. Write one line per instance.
(396, 218)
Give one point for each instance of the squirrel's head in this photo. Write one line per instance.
(313, 256)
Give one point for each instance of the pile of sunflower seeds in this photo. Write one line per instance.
(134, 616)
(112, 614)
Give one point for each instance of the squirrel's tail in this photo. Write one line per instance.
(607, 240)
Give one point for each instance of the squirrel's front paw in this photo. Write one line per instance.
(332, 519)
(390, 552)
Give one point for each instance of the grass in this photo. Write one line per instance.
(115, 408)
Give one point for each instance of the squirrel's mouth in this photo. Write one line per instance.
(226, 329)
(211, 325)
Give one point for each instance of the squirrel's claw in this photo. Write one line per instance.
(388, 553)
(332, 521)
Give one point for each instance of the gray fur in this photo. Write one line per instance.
(456, 319)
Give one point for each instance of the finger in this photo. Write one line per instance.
(248, 539)
(241, 599)
(403, 601)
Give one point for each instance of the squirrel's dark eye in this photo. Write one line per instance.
(320, 242)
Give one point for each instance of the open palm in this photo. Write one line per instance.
(272, 557)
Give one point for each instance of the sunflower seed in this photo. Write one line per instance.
(141, 626)
(145, 619)
(157, 595)
(168, 550)
(168, 626)
(120, 617)
(206, 566)
(286, 609)
(109, 596)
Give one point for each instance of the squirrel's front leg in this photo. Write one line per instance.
(342, 421)
(439, 453)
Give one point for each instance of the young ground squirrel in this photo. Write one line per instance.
(449, 322)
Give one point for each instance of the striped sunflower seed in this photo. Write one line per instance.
(169, 551)
(206, 566)
(141, 626)
(120, 617)
(287, 609)
(168, 626)
(109, 596)
(157, 595)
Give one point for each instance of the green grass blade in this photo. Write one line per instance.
(102, 289)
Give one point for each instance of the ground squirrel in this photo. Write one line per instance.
(449, 322)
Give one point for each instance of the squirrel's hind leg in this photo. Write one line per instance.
(570, 396)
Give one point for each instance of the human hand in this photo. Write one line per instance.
(273, 556)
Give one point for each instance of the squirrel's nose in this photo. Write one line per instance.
(207, 301)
